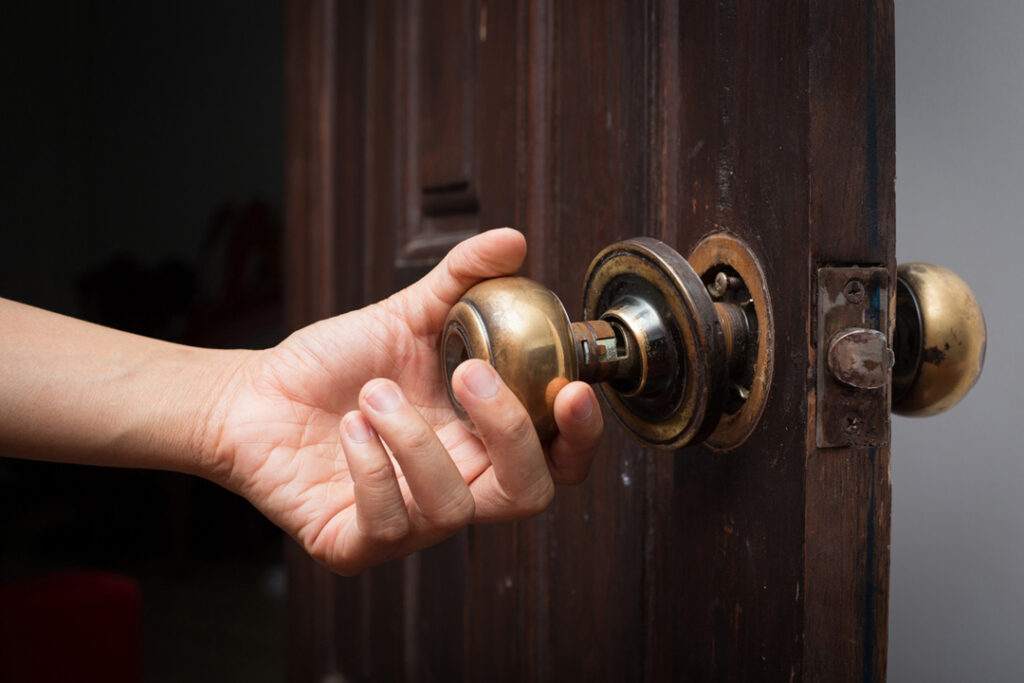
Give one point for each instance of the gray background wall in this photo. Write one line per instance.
(957, 583)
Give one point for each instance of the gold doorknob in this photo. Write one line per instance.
(939, 340)
(672, 350)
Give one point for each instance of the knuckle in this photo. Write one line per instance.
(457, 512)
(531, 500)
(415, 438)
(388, 531)
(379, 476)
(462, 262)
(515, 430)
(538, 497)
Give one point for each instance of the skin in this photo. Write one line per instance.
(342, 434)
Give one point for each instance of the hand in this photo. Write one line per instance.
(344, 437)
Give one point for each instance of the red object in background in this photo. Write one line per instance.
(71, 626)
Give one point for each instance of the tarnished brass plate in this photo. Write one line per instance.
(713, 253)
(683, 406)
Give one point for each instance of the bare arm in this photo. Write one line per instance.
(77, 392)
(342, 434)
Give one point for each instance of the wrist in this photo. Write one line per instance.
(209, 453)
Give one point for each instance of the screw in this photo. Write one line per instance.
(852, 423)
(854, 291)
(722, 283)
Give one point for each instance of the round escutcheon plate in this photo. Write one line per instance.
(684, 402)
(748, 386)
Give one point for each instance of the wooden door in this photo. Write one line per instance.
(413, 123)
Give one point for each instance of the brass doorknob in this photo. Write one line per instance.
(672, 350)
(939, 340)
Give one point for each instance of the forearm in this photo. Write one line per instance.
(77, 392)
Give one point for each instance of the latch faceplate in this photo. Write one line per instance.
(853, 353)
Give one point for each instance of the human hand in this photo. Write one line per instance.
(343, 434)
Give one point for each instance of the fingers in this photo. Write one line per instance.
(381, 515)
(519, 483)
(489, 254)
(385, 527)
(442, 497)
(580, 425)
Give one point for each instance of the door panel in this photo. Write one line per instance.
(413, 124)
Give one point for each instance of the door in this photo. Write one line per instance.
(413, 124)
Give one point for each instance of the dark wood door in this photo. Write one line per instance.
(412, 124)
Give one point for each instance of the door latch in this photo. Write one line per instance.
(853, 357)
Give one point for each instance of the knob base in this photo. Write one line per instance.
(649, 290)
(743, 285)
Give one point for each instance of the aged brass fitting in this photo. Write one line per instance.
(521, 328)
(734, 276)
(939, 340)
(663, 353)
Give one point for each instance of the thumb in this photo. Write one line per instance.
(490, 254)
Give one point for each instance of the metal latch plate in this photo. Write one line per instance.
(850, 298)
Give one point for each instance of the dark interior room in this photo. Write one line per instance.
(142, 189)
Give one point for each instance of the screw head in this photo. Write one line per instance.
(719, 285)
(852, 423)
(854, 291)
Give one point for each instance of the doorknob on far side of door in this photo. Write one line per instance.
(935, 351)
(939, 341)
(681, 350)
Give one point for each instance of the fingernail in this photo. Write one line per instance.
(384, 399)
(358, 429)
(480, 380)
(582, 408)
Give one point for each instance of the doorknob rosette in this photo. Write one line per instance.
(646, 286)
(737, 284)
